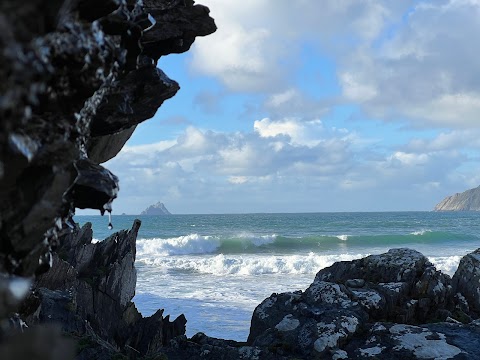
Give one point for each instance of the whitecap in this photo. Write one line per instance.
(446, 264)
(258, 240)
(182, 245)
(420, 232)
(252, 265)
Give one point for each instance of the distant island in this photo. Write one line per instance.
(466, 201)
(157, 209)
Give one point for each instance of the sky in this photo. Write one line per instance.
(314, 106)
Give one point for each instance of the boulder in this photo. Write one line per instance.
(466, 280)
(348, 300)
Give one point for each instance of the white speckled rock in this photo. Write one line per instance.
(466, 279)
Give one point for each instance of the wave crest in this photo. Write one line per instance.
(222, 265)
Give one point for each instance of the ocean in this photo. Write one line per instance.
(216, 269)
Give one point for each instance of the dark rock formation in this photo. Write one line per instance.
(466, 201)
(88, 292)
(157, 209)
(76, 77)
(390, 306)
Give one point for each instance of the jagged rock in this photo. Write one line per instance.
(89, 290)
(132, 99)
(201, 347)
(76, 77)
(70, 71)
(95, 187)
(104, 148)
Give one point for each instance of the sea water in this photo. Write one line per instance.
(216, 269)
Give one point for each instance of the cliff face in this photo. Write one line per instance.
(467, 201)
(76, 77)
(157, 209)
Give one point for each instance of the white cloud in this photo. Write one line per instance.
(237, 179)
(356, 89)
(424, 71)
(265, 170)
(407, 60)
(256, 44)
(267, 128)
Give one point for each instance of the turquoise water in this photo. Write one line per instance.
(217, 268)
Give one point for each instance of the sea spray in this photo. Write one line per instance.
(246, 265)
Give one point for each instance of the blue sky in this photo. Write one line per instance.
(352, 105)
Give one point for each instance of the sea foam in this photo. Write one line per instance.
(202, 244)
(182, 245)
(248, 265)
(446, 264)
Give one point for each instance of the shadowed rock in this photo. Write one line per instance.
(378, 307)
(89, 290)
(76, 77)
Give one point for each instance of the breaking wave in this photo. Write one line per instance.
(244, 265)
(272, 243)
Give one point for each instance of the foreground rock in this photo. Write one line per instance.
(89, 291)
(389, 306)
(466, 201)
(76, 77)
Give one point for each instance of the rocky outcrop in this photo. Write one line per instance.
(76, 77)
(467, 201)
(388, 306)
(157, 209)
(89, 292)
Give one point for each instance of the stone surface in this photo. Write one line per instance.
(89, 292)
(466, 282)
(388, 306)
(76, 77)
(466, 201)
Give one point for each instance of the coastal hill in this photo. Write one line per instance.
(156, 209)
(466, 201)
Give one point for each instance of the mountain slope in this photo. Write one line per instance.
(466, 201)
